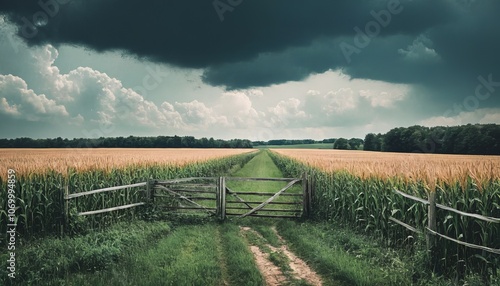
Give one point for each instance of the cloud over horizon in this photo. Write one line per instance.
(258, 66)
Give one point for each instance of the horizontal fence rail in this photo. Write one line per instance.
(431, 217)
(425, 202)
(182, 180)
(190, 193)
(182, 197)
(192, 208)
(266, 210)
(265, 215)
(476, 216)
(409, 227)
(69, 197)
(260, 179)
(265, 194)
(76, 195)
(270, 203)
(492, 250)
(111, 209)
(263, 204)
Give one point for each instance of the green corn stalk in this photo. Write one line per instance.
(367, 203)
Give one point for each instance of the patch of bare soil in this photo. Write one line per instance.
(300, 268)
(273, 274)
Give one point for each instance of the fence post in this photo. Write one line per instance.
(305, 195)
(312, 183)
(431, 221)
(148, 191)
(65, 206)
(223, 198)
(218, 198)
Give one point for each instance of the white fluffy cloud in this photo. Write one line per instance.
(382, 98)
(255, 92)
(84, 95)
(482, 116)
(346, 99)
(340, 101)
(89, 96)
(198, 114)
(238, 109)
(286, 111)
(19, 101)
(102, 106)
(94, 99)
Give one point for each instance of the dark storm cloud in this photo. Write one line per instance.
(191, 34)
(443, 46)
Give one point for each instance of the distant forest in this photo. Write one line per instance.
(291, 142)
(478, 139)
(126, 142)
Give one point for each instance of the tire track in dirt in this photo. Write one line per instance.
(273, 275)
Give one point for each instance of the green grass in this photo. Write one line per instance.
(39, 194)
(367, 204)
(344, 257)
(265, 229)
(200, 251)
(58, 258)
(208, 254)
(276, 256)
(188, 256)
(261, 166)
(298, 146)
(238, 259)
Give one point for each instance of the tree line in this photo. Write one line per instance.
(337, 143)
(348, 144)
(291, 142)
(477, 139)
(126, 142)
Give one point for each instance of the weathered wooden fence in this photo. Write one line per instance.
(257, 207)
(210, 195)
(69, 197)
(186, 194)
(431, 230)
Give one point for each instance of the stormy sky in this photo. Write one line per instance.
(254, 69)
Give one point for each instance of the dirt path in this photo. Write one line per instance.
(300, 268)
(273, 274)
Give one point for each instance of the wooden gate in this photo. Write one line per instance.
(216, 196)
(186, 195)
(289, 201)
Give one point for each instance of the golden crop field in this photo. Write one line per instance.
(358, 188)
(427, 167)
(28, 161)
(44, 176)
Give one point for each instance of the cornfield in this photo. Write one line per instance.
(39, 161)
(430, 168)
(43, 175)
(358, 188)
